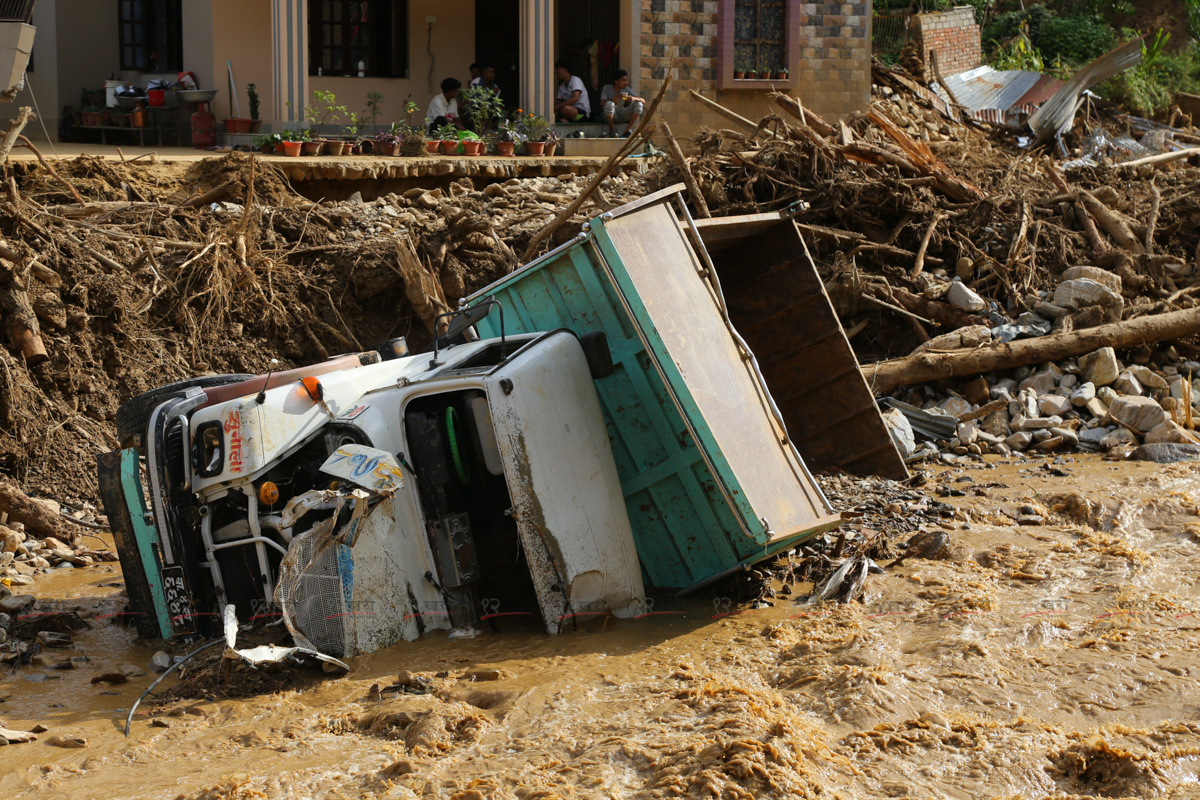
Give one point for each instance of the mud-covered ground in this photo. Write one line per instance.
(1056, 659)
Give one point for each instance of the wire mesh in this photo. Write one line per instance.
(890, 32)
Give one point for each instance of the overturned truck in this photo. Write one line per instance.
(587, 430)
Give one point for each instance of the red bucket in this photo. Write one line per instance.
(157, 97)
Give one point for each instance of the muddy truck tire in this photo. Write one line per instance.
(134, 415)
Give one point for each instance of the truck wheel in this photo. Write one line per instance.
(599, 357)
(134, 414)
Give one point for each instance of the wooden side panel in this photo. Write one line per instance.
(777, 302)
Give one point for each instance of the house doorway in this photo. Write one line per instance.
(497, 43)
(588, 35)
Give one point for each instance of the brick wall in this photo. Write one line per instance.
(955, 37)
(832, 73)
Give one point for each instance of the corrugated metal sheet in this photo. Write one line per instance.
(1003, 97)
(1057, 113)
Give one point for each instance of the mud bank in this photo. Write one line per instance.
(1054, 659)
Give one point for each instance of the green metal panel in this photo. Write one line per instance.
(691, 521)
(131, 485)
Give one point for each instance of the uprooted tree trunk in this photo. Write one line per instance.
(886, 376)
(422, 287)
(37, 518)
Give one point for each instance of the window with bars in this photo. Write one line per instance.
(759, 35)
(151, 35)
(346, 33)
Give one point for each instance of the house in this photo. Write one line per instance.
(402, 49)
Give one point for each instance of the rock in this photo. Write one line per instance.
(955, 405)
(1147, 378)
(1069, 437)
(901, 431)
(976, 392)
(962, 297)
(1107, 395)
(67, 741)
(1019, 440)
(1126, 384)
(1002, 449)
(1168, 432)
(931, 545)
(484, 675)
(16, 603)
(114, 678)
(1101, 276)
(1049, 310)
(997, 424)
(1081, 396)
(15, 737)
(1027, 402)
(968, 432)
(1177, 391)
(964, 268)
(1118, 438)
(1037, 424)
(1054, 404)
(1042, 382)
(1100, 367)
(1143, 414)
(1068, 381)
(1084, 293)
(10, 540)
(1050, 444)
(160, 661)
(1166, 452)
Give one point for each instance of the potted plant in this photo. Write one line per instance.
(255, 121)
(781, 75)
(292, 142)
(510, 137)
(551, 139)
(533, 127)
(739, 69)
(412, 141)
(448, 134)
(387, 142)
(268, 143)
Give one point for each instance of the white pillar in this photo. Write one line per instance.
(289, 27)
(537, 57)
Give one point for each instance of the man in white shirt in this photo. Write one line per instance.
(620, 104)
(571, 103)
(444, 107)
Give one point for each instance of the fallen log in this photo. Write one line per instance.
(886, 376)
(689, 180)
(36, 518)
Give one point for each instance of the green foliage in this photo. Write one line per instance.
(1075, 40)
(1018, 54)
(374, 103)
(252, 92)
(484, 108)
(323, 111)
(1148, 89)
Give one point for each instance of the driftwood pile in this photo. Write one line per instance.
(164, 272)
(937, 233)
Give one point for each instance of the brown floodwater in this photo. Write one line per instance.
(1057, 660)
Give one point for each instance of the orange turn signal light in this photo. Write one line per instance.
(314, 388)
(268, 493)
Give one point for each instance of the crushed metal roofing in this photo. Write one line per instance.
(1004, 97)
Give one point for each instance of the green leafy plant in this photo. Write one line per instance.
(252, 92)
(483, 107)
(374, 108)
(351, 126)
(447, 132)
(298, 135)
(323, 111)
(533, 126)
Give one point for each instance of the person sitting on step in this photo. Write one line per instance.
(571, 102)
(621, 104)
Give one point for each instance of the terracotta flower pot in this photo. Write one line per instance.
(291, 148)
(255, 125)
(506, 148)
(312, 148)
(550, 148)
(388, 148)
(268, 149)
(473, 147)
(449, 147)
(535, 148)
(432, 147)
(739, 76)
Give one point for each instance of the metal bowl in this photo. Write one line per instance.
(196, 95)
(129, 102)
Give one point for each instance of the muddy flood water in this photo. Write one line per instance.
(1057, 659)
